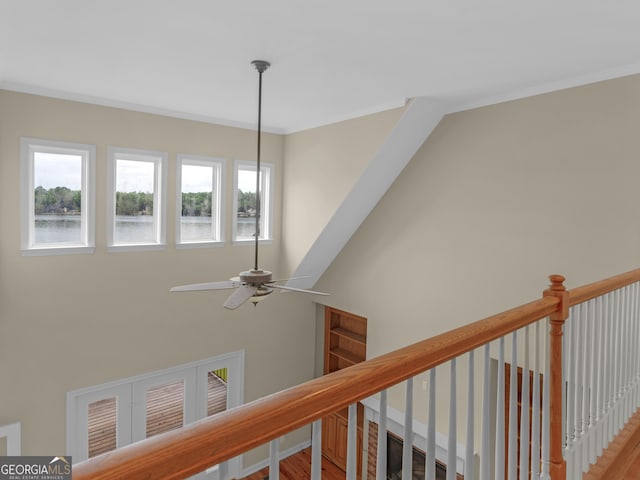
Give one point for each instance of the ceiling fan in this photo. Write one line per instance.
(254, 284)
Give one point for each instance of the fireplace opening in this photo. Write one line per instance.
(394, 461)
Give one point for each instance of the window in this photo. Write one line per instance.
(109, 416)
(199, 201)
(137, 199)
(244, 225)
(57, 197)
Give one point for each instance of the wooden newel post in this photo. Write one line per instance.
(557, 467)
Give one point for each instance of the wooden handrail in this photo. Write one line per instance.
(186, 451)
(596, 289)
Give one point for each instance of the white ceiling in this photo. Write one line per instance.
(331, 59)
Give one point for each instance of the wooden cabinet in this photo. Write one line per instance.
(335, 428)
(345, 344)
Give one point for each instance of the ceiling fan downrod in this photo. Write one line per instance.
(261, 66)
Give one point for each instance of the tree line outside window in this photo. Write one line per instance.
(61, 200)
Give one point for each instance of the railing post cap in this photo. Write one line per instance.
(557, 283)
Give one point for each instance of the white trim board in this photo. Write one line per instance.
(13, 434)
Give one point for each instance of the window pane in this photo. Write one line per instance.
(135, 221)
(165, 408)
(57, 180)
(216, 391)
(246, 221)
(197, 219)
(246, 201)
(102, 426)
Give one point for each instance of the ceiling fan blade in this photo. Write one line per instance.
(290, 278)
(241, 295)
(302, 290)
(206, 286)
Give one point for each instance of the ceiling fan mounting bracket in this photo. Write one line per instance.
(261, 65)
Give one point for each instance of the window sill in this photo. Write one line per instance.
(66, 250)
(136, 247)
(188, 245)
(267, 241)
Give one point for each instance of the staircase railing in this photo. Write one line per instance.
(528, 420)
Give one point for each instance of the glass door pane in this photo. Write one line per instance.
(216, 391)
(164, 408)
(102, 426)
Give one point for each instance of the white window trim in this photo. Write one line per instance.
(269, 194)
(79, 400)
(12, 434)
(159, 197)
(219, 189)
(28, 146)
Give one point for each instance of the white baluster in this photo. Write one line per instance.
(381, 460)
(570, 359)
(453, 430)
(500, 456)
(586, 358)
(628, 354)
(579, 384)
(485, 454)
(600, 321)
(513, 410)
(524, 412)
(610, 371)
(636, 341)
(632, 342)
(636, 317)
(566, 341)
(274, 459)
(316, 450)
(618, 368)
(469, 463)
(223, 471)
(430, 457)
(624, 356)
(352, 432)
(593, 385)
(546, 419)
(407, 444)
(569, 408)
(535, 424)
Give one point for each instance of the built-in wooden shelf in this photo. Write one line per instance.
(345, 344)
(349, 334)
(345, 355)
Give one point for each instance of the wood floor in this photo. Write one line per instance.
(165, 408)
(298, 467)
(621, 459)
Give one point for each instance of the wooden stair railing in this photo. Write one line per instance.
(189, 450)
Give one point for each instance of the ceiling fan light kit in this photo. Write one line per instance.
(255, 284)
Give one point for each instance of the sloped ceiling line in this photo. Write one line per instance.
(420, 118)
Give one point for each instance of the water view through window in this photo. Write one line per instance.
(246, 207)
(66, 228)
(57, 198)
(135, 220)
(198, 222)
